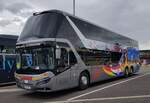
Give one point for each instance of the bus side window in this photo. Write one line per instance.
(1, 62)
(72, 58)
(115, 57)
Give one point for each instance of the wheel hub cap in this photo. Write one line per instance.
(84, 80)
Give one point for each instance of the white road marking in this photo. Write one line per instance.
(106, 87)
(109, 86)
(10, 90)
(103, 99)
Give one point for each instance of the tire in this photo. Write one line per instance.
(126, 72)
(131, 71)
(84, 81)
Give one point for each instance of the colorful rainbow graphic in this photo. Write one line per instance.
(114, 71)
(32, 78)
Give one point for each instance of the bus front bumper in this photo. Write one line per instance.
(40, 82)
(40, 85)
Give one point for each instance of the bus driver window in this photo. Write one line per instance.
(62, 62)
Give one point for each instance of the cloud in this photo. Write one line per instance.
(19, 8)
(4, 22)
(12, 29)
(144, 46)
(2, 5)
(16, 13)
(12, 26)
(15, 20)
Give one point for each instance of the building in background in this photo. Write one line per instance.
(145, 57)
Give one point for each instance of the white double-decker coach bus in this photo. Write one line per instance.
(60, 51)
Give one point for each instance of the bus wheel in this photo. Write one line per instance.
(84, 81)
(126, 72)
(131, 71)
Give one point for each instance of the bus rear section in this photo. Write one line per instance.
(104, 64)
(60, 51)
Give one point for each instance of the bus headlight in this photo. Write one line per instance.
(44, 81)
(45, 75)
(18, 65)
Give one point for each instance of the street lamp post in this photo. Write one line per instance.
(74, 3)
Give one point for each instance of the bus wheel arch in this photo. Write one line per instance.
(84, 80)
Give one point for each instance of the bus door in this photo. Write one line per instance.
(63, 69)
(74, 67)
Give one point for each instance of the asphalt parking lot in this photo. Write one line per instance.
(135, 89)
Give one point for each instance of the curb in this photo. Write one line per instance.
(7, 84)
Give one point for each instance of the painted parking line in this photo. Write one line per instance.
(100, 89)
(10, 90)
(106, 87)
(103, 99)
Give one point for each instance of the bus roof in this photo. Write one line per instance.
(82, 33)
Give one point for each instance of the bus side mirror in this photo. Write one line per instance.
(58, 53)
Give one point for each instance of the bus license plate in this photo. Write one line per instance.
(27, 87)
(26, 81)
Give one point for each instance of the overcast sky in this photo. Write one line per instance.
(127, 17)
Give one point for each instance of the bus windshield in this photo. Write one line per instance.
(37, 58)
(45, 24)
